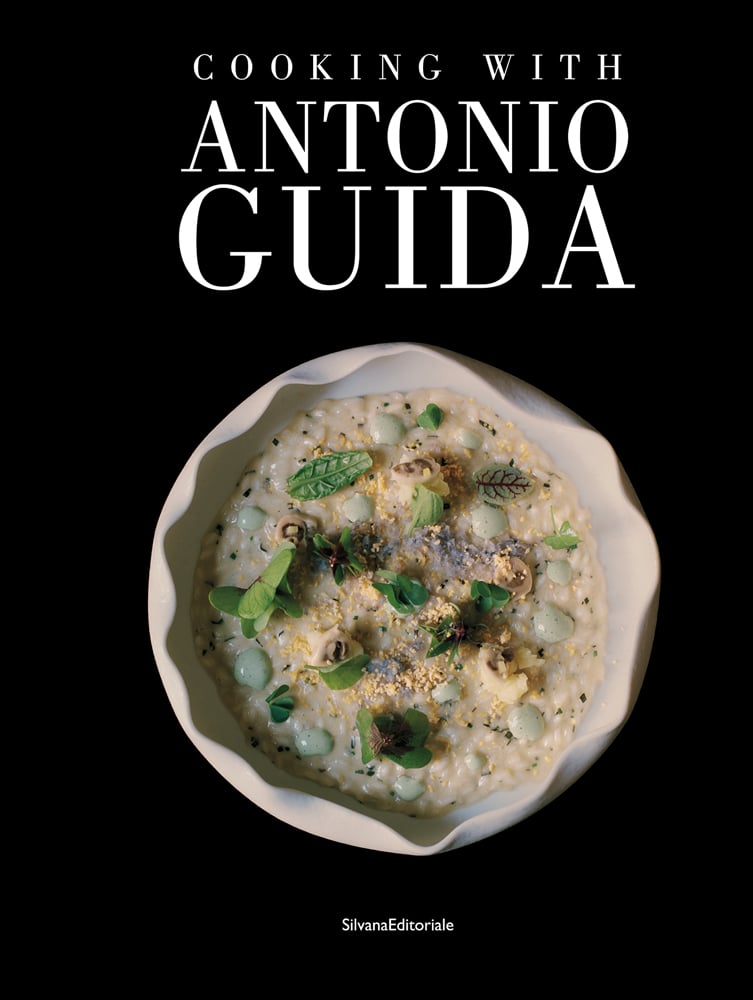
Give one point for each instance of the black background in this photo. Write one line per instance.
(176, 844)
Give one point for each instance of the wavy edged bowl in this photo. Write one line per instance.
(625, 539)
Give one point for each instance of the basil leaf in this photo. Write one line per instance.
(427, 507)
(345, 674)
(326, 475)
(226, 599)
(431, 417)
(502, 484)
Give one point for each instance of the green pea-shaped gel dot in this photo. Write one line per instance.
(551, 624)
(358, 507)
(408, 789)
(386, 428)
(474, 761)
(525, 722)
(253, 668)
(470, 439)
(314, 742)
(251, 518)
(447, 691)
(559, 571)
(488, 522)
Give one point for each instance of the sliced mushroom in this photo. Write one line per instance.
(497, 673)
(291, 528)
(514, 575)
(494, 662)
(334, 646)
(417, 470)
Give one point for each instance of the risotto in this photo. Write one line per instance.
(402, 599)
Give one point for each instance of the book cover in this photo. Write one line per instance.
(493, 193)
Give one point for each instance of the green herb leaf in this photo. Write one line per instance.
(419, 757)
(404, 593)
(291, 607)
(563, 538)
(419, 725)
(279, 706)
(326, 475)
(399, 739)
(279, 565)
(345, 674)
(426, 506)
(339, 555)
(226, 599)
(364, 721)
(261, 594)
(446, 636)
(256, 605)
(502, 484)
(431, 417)
(489, 595)
(247, 628)
(256, 601)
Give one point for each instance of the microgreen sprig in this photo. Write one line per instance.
(339, 555)
(280, 706)
(563, 537)
(488, 595)
(447, 635)
(431, 417)
(398, 738)
(404, 593)
(256, 604)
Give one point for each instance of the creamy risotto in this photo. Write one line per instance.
(402, 599)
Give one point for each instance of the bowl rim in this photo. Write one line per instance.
(345, 822)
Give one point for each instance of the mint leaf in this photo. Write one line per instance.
(426, 506)
(431, 417)
(326, 475)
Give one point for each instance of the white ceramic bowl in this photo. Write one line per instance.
(625, 541)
